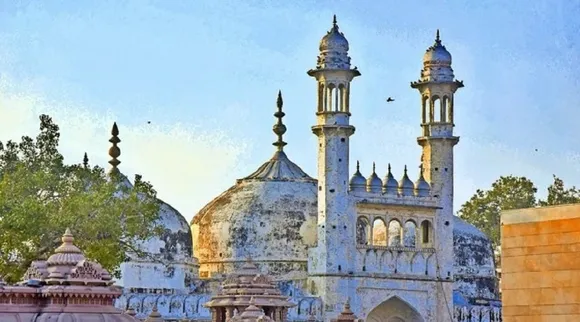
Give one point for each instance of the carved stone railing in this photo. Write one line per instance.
(477, 314)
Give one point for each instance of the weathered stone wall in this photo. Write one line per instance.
(274, 222)
(540, 264)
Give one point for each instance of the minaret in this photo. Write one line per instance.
(437, 87)
(333, 74)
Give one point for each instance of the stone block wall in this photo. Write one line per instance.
(541, 264)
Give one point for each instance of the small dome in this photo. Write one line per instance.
(422, 187)
(437, 54)
(406, 186)
(358, 181)
(334, 40)
(374, 183)
(390, 184)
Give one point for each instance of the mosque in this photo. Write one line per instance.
(392, 249)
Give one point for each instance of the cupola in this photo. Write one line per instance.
(390, 184)
(374, 183)
(357, 182)
(406, 186)
(422, 187)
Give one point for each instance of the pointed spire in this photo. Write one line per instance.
(437, 39)
(279, 128)
(374, 167)
(357, 166)
(334, 21)
(86, 161)
(114, 151)
(389, 168)
(405, 169)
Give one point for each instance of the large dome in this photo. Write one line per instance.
(270, 216)
(475, 277)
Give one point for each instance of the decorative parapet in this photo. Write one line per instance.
(370, 198)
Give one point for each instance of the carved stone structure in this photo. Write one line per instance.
(66, 287)
(249, 289)
(393, 247)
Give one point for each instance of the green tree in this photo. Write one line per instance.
(40, 197)
(558, 194)
(484, 208)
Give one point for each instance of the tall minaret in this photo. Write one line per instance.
(437, 87)
(333, 74)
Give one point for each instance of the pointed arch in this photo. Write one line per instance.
(436, 109)
(363, 231)
(410, 234)
(395, 230)
(379, 232)
(394, 309)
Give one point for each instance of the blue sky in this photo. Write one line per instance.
(206, 74)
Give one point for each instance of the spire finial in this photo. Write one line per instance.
(389, 167)
(405, 169)
(374, 167)
(334, 21)
(114, 151)
(357, 166)
(279, 128)
(437, 39)
(86, 161)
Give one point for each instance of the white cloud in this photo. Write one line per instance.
(185, 163)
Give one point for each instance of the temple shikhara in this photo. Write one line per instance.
(281, 245)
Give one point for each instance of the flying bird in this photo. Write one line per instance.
(390, 99)
(148, 122)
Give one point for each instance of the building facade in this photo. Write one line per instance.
(392, 249)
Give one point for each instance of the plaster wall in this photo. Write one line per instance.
(540, 264)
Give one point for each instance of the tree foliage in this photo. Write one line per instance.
(484, 208)
(40, 197)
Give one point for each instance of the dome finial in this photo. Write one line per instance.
(374, 167)
(357, 165)
(279, 128)
(405, 169)
(334, 21)
(114, 151)
(389, 167)
(86, 161)
(437, 39)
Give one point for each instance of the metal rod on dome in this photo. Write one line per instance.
(279, 128)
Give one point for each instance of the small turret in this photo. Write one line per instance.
(374, 183)
(406, 186)
(422, 187)
(357, 182)
(390, 184)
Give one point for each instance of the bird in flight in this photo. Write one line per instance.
(390, 99)
(148, 122)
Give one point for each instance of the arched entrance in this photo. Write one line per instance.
(394, 310)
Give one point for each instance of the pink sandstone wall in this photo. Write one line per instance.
(541, 264)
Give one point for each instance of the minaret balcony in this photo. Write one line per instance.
(438, 129)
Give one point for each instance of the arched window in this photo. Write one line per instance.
(330, 92)
(444, 107)
(341, 104)
(320, 97)
(379, 232)
(436, 108)
(425, 110)
(394, 233)
(363, 231)
(410, 234)
(426, 232)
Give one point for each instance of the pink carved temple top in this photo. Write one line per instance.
(66, 287)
